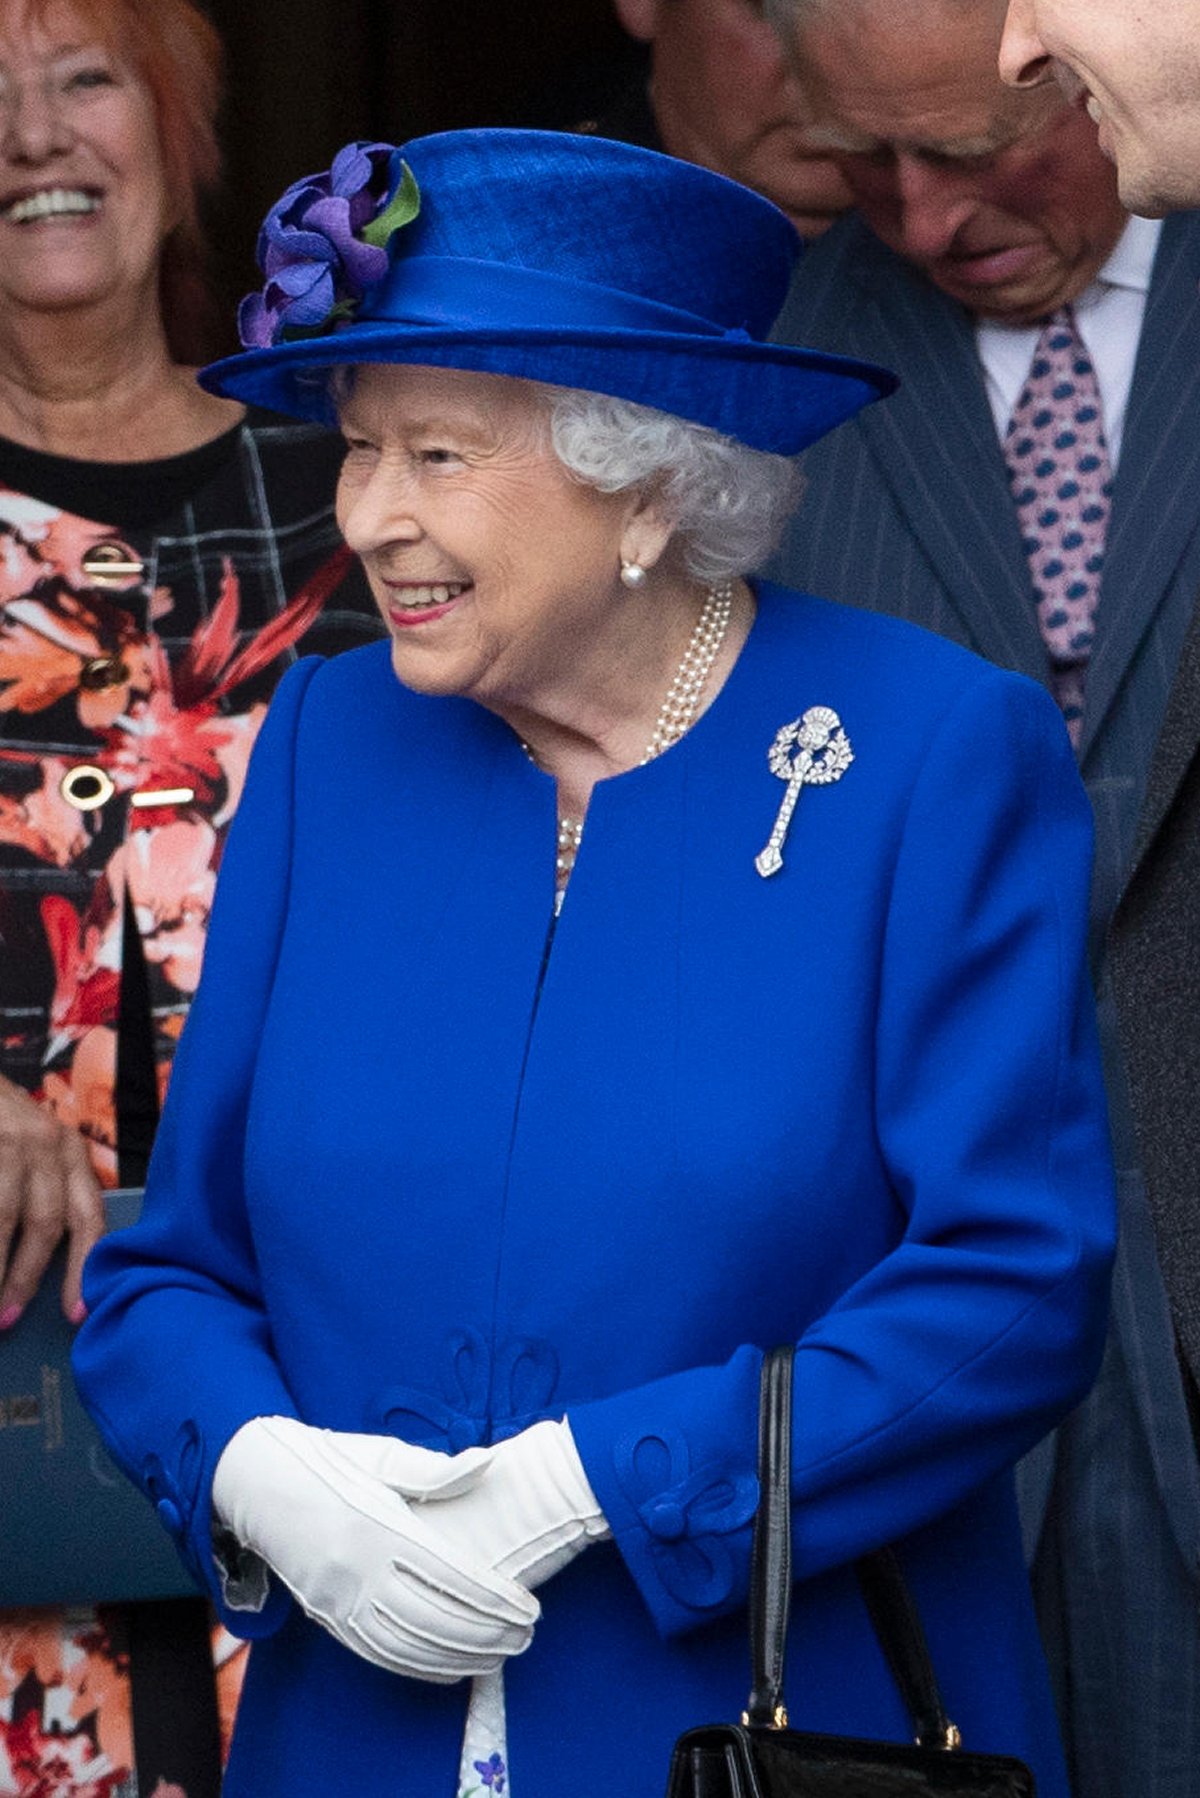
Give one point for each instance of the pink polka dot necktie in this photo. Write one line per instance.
(1061, 482)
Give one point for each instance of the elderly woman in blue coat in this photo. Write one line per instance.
(627, 967)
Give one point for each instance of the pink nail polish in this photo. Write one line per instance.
(78, 1312)
(9, 1316)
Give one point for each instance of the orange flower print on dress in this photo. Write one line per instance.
(64, 1708)
(147, 649)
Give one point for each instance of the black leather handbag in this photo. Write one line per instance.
(761, 1757)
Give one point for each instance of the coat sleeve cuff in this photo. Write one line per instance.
(179, 1486)
(200, 1540)
(672, 1465)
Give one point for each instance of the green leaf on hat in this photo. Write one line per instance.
(402, 209)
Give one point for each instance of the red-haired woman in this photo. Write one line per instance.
(161, 551)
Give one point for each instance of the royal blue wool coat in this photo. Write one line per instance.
(425, 1170)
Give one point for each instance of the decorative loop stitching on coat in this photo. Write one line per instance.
(173, 1488)
(686, 1514)
(482, 1397)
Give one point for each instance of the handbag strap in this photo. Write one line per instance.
(889, 1602)
(771, 1547)
(901, 1635)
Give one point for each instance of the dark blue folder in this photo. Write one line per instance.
(72, 1528)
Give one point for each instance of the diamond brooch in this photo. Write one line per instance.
(811, 751)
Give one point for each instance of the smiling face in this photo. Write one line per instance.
(1003, 199)
(495, 571)
(1140, 64)
(723, 97)
(83, 203)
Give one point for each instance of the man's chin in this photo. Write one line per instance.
(1149, 185)
(1149, 194)
(1003, 305)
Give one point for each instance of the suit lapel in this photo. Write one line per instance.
(936, 448)
(1177, 746)
(1156, 502)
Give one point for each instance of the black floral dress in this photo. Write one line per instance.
(147, 611)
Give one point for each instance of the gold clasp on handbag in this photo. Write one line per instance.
(779, 1719)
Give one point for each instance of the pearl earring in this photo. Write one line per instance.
(633, 574)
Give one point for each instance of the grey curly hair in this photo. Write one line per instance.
(729, 503)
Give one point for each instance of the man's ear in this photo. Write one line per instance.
(639, 17)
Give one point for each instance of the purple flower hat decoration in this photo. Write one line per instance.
(326, 242)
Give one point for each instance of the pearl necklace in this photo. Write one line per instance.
(678, 710)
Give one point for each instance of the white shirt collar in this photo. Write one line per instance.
(1130, 264)
(1109, 313)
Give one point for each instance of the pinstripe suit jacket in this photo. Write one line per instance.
(908, 511)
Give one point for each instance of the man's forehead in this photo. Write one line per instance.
(845, 140)
(939, 107)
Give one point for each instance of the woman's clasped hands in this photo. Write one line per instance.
(420, 1562)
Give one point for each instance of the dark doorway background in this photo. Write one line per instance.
(306, 76)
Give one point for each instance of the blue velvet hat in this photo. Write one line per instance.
(570, 260)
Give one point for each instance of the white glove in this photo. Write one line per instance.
(327, 1512)
(530, 1511)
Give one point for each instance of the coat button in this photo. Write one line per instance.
(665, 1518)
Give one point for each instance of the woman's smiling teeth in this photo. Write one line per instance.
(51, 202)
(418, 599)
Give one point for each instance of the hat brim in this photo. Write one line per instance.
(774, 397)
